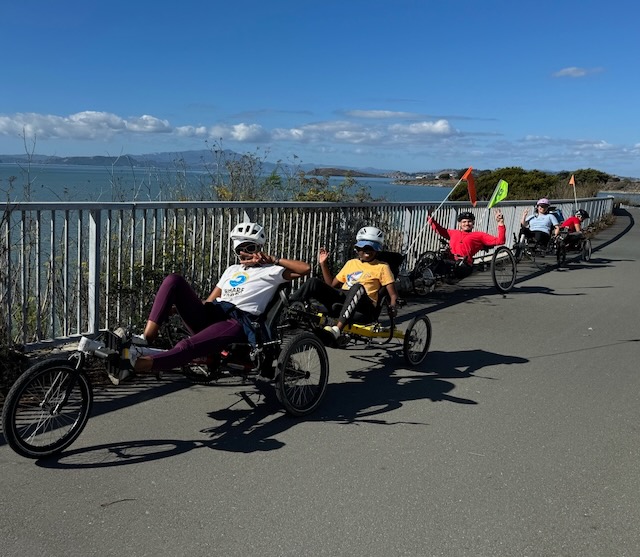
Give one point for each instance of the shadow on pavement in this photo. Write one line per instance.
(253, 422)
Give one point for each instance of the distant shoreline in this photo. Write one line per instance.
(439, 184)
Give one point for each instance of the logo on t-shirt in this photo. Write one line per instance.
(353, 278)
(238, 279)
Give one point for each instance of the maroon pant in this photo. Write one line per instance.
(211, 333)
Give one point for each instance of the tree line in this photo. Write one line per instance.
(533, 184)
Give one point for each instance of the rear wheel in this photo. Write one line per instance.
(585, 253)
(302, 373)
(46, 409)
(417, 340)
(503, 269)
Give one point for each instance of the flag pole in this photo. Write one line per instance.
(419, 235)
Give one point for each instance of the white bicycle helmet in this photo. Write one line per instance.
(370, 236)
(248, 232)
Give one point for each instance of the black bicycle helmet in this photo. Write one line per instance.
(466, 215)
(582, 213)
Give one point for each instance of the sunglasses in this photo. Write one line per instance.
(247, 248)
(365, 249)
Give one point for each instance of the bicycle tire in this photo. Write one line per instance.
(33, 424)
(560, 253)
(302, 373)
(586, 251)
(422, 277)
(518, 249)
(417, 340)
(503, 269)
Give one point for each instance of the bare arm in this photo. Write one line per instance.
(293, 268)
(215, 293)
(393, 294)
(323, 261)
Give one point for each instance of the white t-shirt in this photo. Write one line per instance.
(250, 288)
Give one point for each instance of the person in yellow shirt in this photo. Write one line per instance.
(356, 285)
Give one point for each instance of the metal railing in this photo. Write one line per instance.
(77, 268)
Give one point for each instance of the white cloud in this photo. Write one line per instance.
(81, 125)
(149, 124)
(439, 127)
(573, 71)
(248, 132)
(192, 131)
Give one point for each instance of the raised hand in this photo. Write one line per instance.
(323, 255)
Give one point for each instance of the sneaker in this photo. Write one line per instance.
(121, 332)
(117, 375)
(333, 330)
(89, 345)
(139, 340)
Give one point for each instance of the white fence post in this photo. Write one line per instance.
(93, 284)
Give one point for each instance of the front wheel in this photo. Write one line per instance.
(422, 277)
(302, 373)
(417, 340)
(503, 269)
(585, 253)
(46, 409)
(561, 253)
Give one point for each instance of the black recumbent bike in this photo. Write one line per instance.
(566, 244)
(437, 267)
(49, 405)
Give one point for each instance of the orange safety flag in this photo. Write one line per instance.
(471, 186)
(572, 181)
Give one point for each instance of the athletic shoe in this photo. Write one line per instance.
(139, 340)
(333, 330)
(89, 345)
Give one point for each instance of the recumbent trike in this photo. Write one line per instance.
(415, 339)
(433, 267)
(49, 405)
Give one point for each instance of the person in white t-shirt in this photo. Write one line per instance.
(241, 294)
(541, 224)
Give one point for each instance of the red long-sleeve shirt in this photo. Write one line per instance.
(467, 244)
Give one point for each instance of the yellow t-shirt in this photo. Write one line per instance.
(372, 276)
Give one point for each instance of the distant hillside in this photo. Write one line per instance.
(192, 160)
(342, 172)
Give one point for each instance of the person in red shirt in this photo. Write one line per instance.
(464, 242)
(574, 227)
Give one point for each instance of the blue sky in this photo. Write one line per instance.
(399, 84)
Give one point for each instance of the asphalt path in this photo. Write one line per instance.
(518, 436)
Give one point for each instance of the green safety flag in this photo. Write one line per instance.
(500, 193)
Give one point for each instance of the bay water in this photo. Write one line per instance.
(50, 182)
